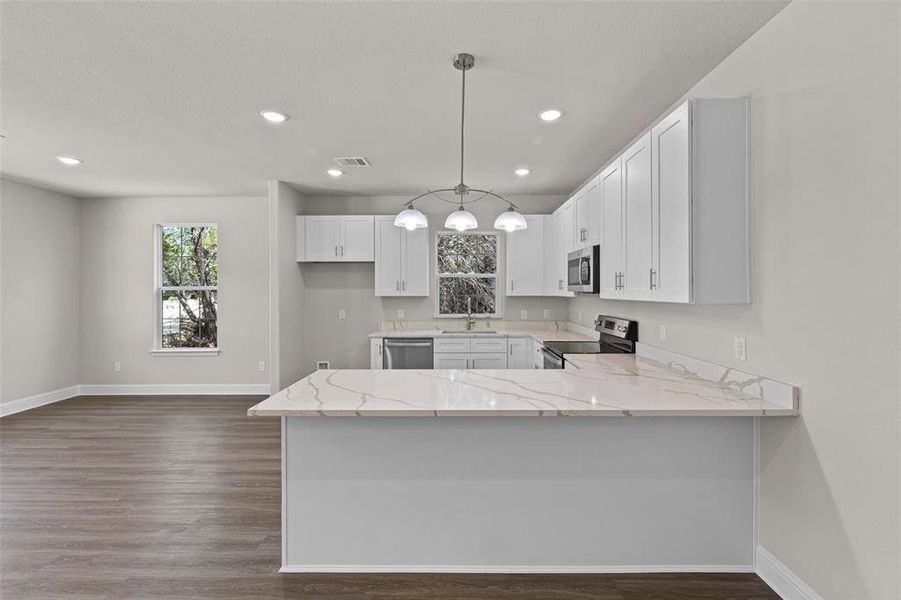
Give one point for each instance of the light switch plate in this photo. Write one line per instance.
(741, 348)
(261, 366)
(400, 313)
(342, 314)
(117, 366)
(523, 314)
(547, 313)
(661, 333)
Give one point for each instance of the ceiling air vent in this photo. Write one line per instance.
(352, 161)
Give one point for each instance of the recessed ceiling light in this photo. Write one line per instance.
(552, 114)
(69, 160)
(273, 116)
(521, 172)
(335, 172)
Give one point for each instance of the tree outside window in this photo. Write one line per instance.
(188, 286)
(467, 273)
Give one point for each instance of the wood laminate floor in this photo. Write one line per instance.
(178, 497)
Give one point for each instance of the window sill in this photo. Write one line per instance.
(186, 352)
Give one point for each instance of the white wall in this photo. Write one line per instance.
(287, 300)
(330, 287)
(39, 245)
(824, 82)
(117, 291)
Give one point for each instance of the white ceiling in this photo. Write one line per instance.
(161, 98)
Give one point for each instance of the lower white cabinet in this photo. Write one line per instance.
(375, 353)
(537, 354)
(519, 353)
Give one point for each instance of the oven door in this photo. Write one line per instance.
(551, 360)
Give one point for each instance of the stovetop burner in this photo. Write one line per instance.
(616, 336)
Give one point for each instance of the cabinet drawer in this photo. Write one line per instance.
(488, 361)
(489, 344)
(453, 360)
(451, 344)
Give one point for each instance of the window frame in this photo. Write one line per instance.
(497, 314)
(159, 289)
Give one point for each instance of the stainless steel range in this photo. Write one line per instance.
(615, 336)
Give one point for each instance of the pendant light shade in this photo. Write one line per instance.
(411, 219)
(510, 221)
(461, 220)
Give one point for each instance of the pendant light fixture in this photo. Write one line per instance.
(461, 219)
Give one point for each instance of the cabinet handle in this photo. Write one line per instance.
(342, 250)
(397, 285)
(403, 285)
(336, 250)
(652, 275)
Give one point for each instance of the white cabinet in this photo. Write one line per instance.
(537, 354)
(450, 361)
(636, 164)
(455, 344)
(675, 209)
(488, 343)
(525, 259)
(375, 353)
(335, 238)
(555, 262)
(519, 354)
(587, 215)
(567, 224)
(494, 360)
(401, 259)
(611, 267)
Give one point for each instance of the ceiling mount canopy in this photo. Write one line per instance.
(461, 219)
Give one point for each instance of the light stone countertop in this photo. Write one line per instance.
(538, 334)
(603, 385)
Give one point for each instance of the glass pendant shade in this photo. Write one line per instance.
(461, 220)
(411, 219)
(510, 221)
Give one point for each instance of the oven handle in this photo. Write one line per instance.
(553, 357)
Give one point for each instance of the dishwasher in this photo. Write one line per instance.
(407, 353)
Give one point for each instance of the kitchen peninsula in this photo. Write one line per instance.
(405, 471)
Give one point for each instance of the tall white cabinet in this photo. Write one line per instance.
(401, 259)
(526, 258)
(675, 209)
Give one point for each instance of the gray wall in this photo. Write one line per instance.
(117, 291)
(824, 83)
(39, 251)
(330, 287)
(287, 295)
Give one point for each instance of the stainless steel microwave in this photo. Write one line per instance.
(583, 270)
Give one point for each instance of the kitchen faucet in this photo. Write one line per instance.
(470, 322)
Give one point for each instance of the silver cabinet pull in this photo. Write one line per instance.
(403, 285)
(651, 279)
(511, 285)
(342, 250)
(336, 250)
(652, 276)
(397, 285)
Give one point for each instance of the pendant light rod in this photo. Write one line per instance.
(462, 122)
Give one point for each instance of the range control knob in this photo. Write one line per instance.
(621, 328)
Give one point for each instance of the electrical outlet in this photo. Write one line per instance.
(547, 313)
(322, 364)
(523, 314)
(117, 366)
(342, 314)
(740, 345)
(261, 366)
(400, 313)
(661, 333)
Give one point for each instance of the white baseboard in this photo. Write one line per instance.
(188, 389)
(516, 569)
(176, 389)
(15, 406)
(783, 581)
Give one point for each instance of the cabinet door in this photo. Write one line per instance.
(357, 243)
(388, 257)
(611, 188)
(537, 355)
(525, 259)
(670, 145)
(450, 361)
(415, 280)
(375, 353)
(637, 207)
(580, 219)
(593, 203)
(488, 361)
(558, 254)
(569, 234)
(519, 354)
(322, 238)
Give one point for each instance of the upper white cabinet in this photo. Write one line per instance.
(559, 240)
(587, 215)
(611, 268)
(401, 259)
(675, 209)
(335, 238)
(526, 258)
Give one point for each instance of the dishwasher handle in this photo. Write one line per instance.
(405, 344)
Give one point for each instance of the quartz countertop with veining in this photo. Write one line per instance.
(602, 385)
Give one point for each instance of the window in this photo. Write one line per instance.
(188, 279)
(467, 273)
